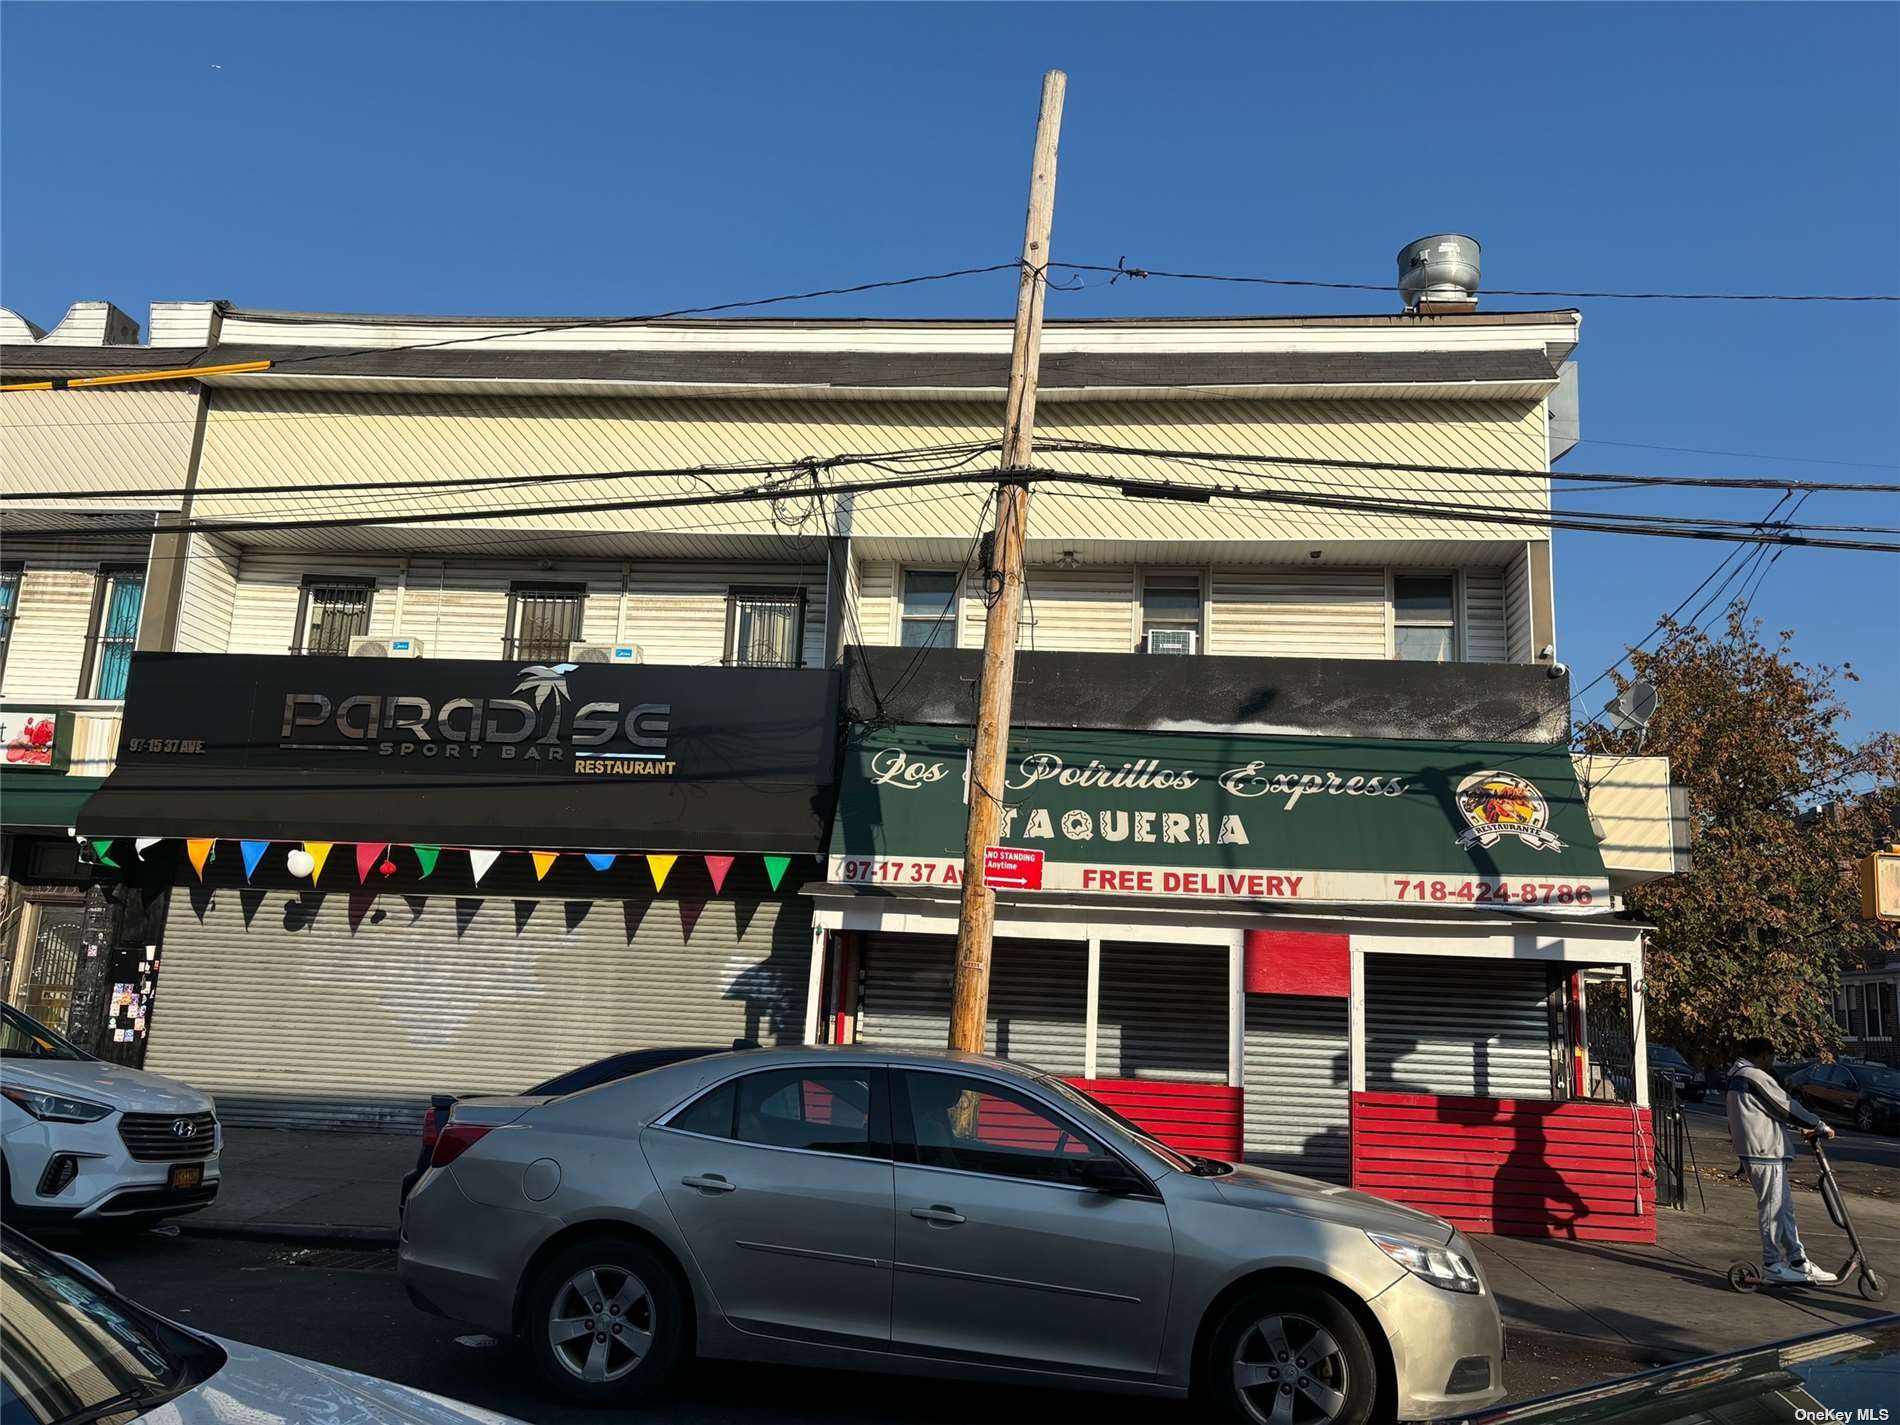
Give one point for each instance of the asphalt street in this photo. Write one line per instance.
(346, 1308)
(1863, 1162)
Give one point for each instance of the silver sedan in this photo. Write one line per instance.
(932, 1214)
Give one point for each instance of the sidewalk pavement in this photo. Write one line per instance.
(1652, 1304)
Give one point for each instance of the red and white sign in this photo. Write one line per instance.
(1012, 868)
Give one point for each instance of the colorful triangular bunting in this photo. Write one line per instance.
(198, 848)
(253, 852)
(659, 866)
(319, 853)
(600, 860)
(367, 855)
(543, 862)
(716, 867)
(775, 867)
(426, 856)
(480, 862)
(102, 852)
(145, 843)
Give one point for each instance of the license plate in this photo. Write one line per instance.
(186, 1175)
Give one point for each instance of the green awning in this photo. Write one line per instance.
(36, 801)
(1201, 817)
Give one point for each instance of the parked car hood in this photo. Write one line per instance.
(1283, 1192)
(266, 1386)
(132, 1090)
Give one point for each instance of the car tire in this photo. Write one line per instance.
(1340, 1386)
(1864, 1118)
(637, 1318)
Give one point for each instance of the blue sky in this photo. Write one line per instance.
(613, 159)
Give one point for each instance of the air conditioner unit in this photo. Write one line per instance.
(604, 653)
(1172, 640)
(386, 648)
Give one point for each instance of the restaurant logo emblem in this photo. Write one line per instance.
(1499, 804)
(545, 678)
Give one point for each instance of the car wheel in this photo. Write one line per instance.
(605, 1322)
(1291, 1356)
(1864, 1118)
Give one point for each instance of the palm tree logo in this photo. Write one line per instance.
(545, 678)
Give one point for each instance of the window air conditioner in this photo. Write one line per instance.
(1172, 640)
(604, 653)
(386, 648)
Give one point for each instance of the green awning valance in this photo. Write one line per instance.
(1205, 817)
(39, 801)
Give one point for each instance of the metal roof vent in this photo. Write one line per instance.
(1440, 273)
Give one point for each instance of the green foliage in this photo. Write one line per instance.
(1752, 940)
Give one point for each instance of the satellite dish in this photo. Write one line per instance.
(1631, 709)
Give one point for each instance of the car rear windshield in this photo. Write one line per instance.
(72, 1352)
(23, 1037)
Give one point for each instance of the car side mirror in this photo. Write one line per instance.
(1105, 1174)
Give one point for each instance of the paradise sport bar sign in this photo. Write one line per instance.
(1176, 816)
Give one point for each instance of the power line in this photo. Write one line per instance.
(1740, 454)
(1198, 493)
(1121, 270)
(1751, 482)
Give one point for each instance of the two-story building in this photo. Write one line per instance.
(478, 741)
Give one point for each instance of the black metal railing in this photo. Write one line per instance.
(1670, 1134)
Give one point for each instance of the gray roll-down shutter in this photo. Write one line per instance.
(318, 1011)
(1298, 1100)
(1439, 1025)
(1038, 997)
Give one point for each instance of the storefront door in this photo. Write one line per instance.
(44, 988)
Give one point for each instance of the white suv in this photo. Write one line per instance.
(88, 1142)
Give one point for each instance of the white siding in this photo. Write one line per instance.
(1319, 613)
(875, 605)
(48, 648)
(1081, 610)
(1487, 639)
(457, 612)
(1517, 609)
(209, 597)
(270, 587)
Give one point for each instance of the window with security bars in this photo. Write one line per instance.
(544, 621)
(335, 614)
(9, 607)
(115, 631)
(765, 628)
(1424, 619)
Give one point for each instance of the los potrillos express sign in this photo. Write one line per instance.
(1177, 816)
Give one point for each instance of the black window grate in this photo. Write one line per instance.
(339, 615)
(545, 623)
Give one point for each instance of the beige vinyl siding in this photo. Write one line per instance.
(874, 605)
(678, 614)
(95, 743)
(208, 600)
(1486, 637)
(1517, 609)
(270, 590)
(135, 439)
(313, 439)
(457, 612)
(1078, 610)
(1326, 613)
(53, 611)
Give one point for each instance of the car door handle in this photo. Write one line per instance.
(939, 1215)
(709, 1182)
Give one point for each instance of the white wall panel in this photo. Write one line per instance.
(1319, 613)
(47, 651)
(1486, 634)
(208, 598)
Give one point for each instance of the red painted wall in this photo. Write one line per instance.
(1191, 1118)
(1297, 962)
(1514, 1167)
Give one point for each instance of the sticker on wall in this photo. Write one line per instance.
(1500, 804)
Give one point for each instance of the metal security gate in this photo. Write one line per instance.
(1298, 1094)
(1476, 1028)
(1038, 1007)
(335, 1010)
(1163, 1012)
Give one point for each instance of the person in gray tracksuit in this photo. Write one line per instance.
(1758, 1109)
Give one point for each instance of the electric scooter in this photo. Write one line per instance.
(1748, 1276)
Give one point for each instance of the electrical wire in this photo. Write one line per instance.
(1121, 269)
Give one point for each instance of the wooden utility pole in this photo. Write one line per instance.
(1003, 590)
